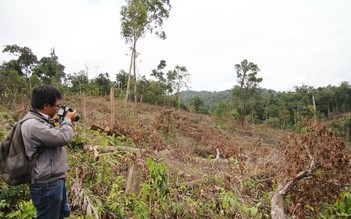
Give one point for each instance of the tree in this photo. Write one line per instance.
(103, 83)
(178, 78)
(137, 18)
(122, 79)
(324, 100)
(79, 82)
(159, 74)
(11, 84)
(25, 62)
(51, 68)
(198, 106)
(153, 94)
(247, 84)
(164, 84)
(342, 97)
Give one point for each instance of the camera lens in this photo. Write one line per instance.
(77, 117)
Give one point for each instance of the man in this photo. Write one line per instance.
(47, 189)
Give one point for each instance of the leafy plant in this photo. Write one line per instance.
(26, 210)
(340, 209)
(229, 203)
(3, 205)
(13, 193)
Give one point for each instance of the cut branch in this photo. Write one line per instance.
(108, 149)
(277, 200)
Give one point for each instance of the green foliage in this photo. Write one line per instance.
(79, 82)
(137, 18)
(50, 68)
(222, 109)
(268, 106)
(211, 100)
(166, 89)
(3, 206)
(153, 196)
(117, 201)
(158, 174)
(231, 205)
(340, 209)
(12, 86)
(342, 127)
(26, 210)
(197, 106)
(26, 59)
(103, 83)
(247, 85)
(13, 193)
(272, 122)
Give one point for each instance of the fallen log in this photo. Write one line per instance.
(107, 149)
(107, 130)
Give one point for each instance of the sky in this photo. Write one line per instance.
(293, 42)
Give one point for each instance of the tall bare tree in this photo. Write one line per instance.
(137, 18)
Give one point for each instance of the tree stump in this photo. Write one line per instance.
(134, 178)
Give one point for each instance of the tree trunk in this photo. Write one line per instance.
(134, 178)
(84, 106)
(135, 78)
(277, 204)
(13, 99)
(277, 198)
(129, 75)
(314, 107)
(112, 106)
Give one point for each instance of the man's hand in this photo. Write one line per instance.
(71, 115)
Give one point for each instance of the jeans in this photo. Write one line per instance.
(50, 199)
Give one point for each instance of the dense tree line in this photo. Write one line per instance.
(19, 75)
(259, 106)
(284, 110)
(288, 105)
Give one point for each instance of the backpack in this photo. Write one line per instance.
(15, 167)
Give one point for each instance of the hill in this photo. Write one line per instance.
(209, 98)
(177, 164)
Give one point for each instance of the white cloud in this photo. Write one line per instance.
(293, 42)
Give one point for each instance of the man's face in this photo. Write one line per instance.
(51, 110)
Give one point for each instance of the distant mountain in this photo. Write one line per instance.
(209, 98)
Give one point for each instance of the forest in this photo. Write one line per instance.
(195, 154)
(148, 147)
(284, 110)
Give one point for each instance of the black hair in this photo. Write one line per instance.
(44, 94)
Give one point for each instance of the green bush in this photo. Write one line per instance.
(340, 209)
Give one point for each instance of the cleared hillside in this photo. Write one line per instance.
(210, 170)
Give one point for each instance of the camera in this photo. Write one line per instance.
(63, 109)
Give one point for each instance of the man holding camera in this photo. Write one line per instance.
(46, 142)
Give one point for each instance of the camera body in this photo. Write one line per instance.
(63, 109)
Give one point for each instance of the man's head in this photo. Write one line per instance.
(45, 99)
